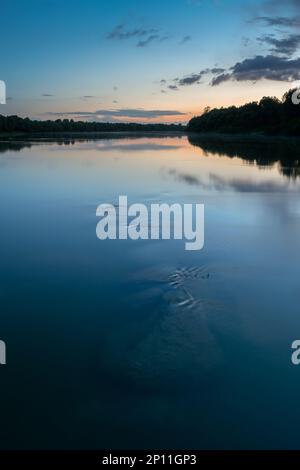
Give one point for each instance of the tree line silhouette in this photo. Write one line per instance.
(268, 116)
(16, 124)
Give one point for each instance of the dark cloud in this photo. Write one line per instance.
(47, 95)
(285, 46)
(224, 77)
(280, 21)
(215, 70)
(270, 67)
(259, 68)
(193, 78)
(190, 79)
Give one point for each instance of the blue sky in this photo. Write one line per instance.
(144, 60)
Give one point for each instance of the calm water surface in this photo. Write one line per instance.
(141, 344)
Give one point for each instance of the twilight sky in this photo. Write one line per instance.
(147, 61)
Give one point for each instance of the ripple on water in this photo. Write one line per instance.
(181, 275)
(175, 345)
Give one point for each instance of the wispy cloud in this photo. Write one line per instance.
(120, 113)
(87, 97)
(47, 95)
(245, 41)
(145, 42)
(145, 36)
(185, 39)
(120, 33)
(196, 2)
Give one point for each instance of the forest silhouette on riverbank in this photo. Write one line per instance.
(269, 116)
(16, 124)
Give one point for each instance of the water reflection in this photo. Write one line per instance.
(262, 152)
(142, 344)
(130, 141)
(13, 146)
(218, 183)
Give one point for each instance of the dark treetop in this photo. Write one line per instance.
(268, 116)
